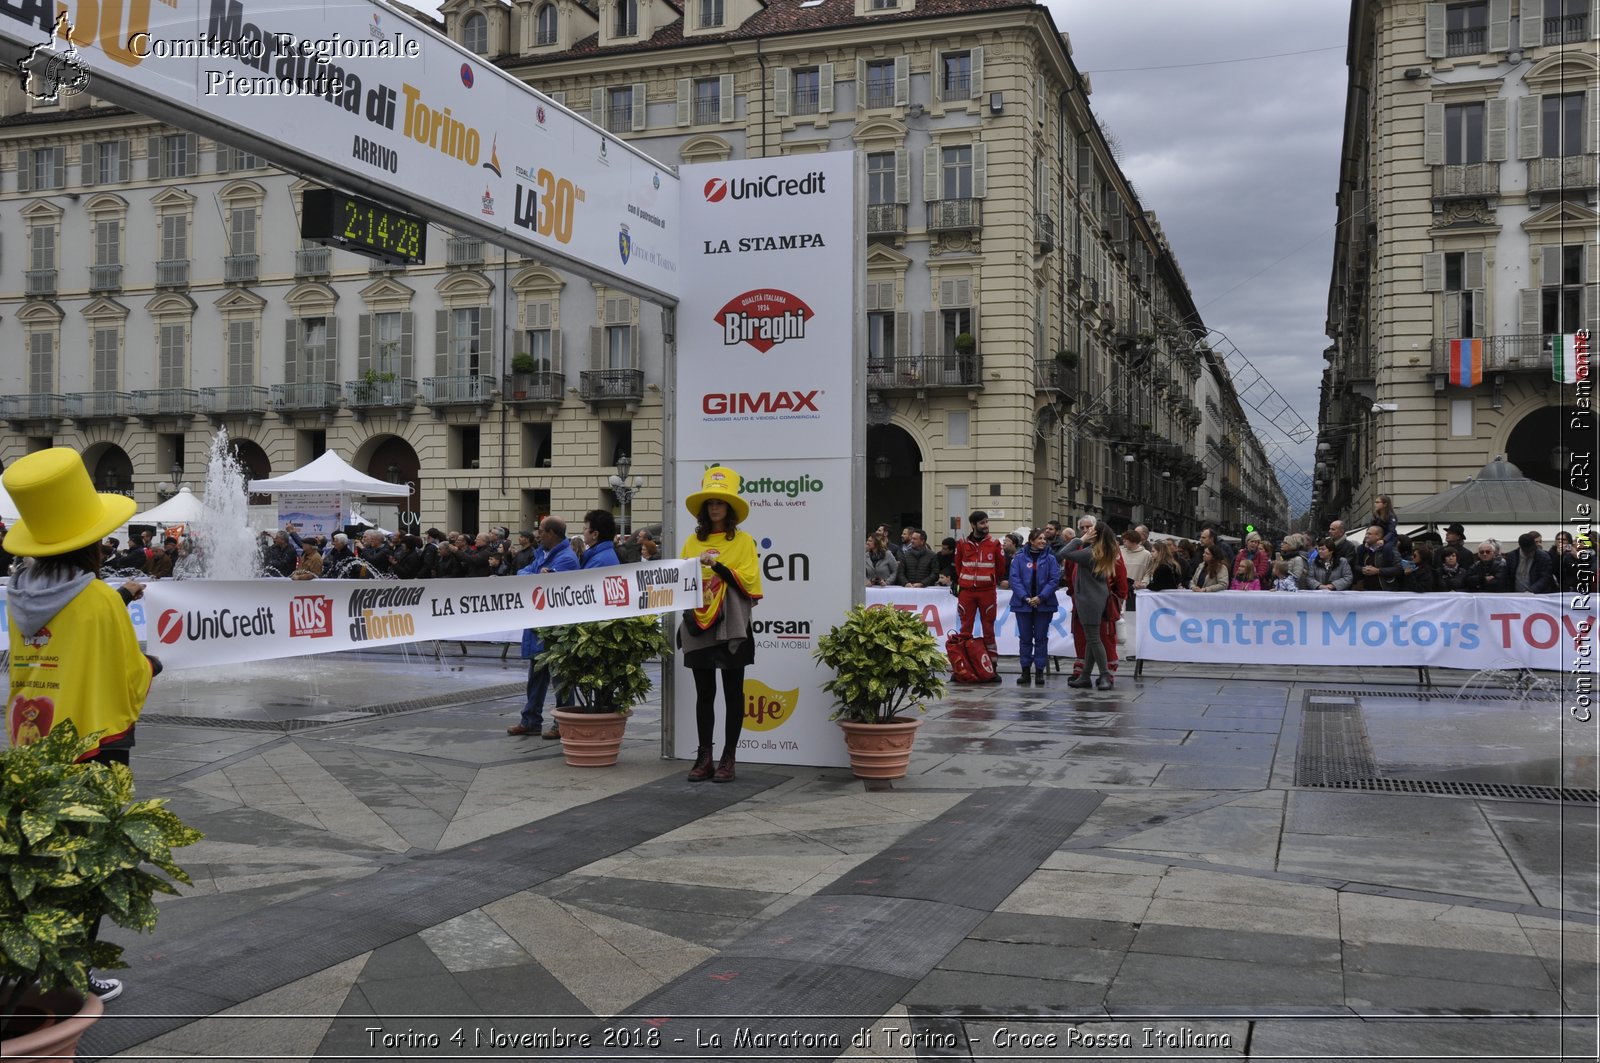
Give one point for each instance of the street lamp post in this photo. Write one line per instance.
(625, 487)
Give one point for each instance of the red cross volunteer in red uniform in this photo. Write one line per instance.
(979, 568)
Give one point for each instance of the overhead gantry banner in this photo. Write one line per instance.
(354, 94)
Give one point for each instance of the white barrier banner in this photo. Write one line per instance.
(938, 611)
(135, 613)
(1470, 631)
(203, 622)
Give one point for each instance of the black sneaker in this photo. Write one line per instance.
(107, 989)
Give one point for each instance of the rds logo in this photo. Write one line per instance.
(766, 709)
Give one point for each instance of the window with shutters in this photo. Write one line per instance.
(881, 178)
(1565, 21)
(619, 109)
(242, 230)
(475, 33)
(1463, 133)
(539, 337)
(315, 350)
(105, 373)
(1561, 125)
(546, 25)
(881, 331)
(466, 340)
(955, 172)
(625, 18)
(49, 169)
(172, 354)
(619, 334)
(1463, 277)
(880, 83)
(174, 238)
(1561, 296)
(175, 151)
(111, 164)
(42, 362)
(707, 101)
(390, 349)
(805, 94)
(1466, 28)
(241, 353)
(42, 245)
(955, 75)
(108, 242)
(710, 13)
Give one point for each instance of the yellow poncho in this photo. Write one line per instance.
(739, 556)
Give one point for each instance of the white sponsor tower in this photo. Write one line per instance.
(767, 384)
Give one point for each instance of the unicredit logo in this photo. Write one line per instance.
(769, 187)
(217, 624)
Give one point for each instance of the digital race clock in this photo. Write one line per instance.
(363, 226)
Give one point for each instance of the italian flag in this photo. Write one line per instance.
(1569, 357)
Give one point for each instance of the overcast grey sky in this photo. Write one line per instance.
(1238, 158)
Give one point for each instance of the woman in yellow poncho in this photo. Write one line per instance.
(716, 637)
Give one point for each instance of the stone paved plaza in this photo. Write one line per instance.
(1159, 870)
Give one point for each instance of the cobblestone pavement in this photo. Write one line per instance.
(1322, 864)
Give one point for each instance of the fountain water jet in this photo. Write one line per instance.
(225, 545)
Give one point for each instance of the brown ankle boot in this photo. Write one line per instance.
(702, 765)
(725, 768)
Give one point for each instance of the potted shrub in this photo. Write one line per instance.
(601, 666)
(885, 662)
(522, 369)
(75, 846)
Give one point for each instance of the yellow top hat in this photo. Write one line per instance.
(60, 509)
(721, 484)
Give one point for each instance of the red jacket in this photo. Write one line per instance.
(980, 564)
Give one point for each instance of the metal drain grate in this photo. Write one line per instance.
(1432, 695)
(1336, 753)
(1503, 791)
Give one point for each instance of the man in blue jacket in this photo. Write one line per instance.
(554, 554)
(599, 539)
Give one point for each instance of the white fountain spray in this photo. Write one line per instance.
(225, 545)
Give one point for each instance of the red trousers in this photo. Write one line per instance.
(1108, 639)
(971, 604)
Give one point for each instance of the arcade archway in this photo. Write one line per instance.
(894, 479)
(392, 459)
(249, 456)
(110, 468)
(1542, 442)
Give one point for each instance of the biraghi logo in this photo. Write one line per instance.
(763, 318)
(769, 187)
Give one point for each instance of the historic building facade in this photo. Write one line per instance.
(1467, 224)
(1029, 329)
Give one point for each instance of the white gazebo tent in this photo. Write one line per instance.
(182, 508)
(330, 474)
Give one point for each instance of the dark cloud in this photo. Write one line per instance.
(1238, 160)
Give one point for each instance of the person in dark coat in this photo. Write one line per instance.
(1376, 565)
(1488, 574)
(1099, 586)
(1530, 570)
(919, 566)
(1453, 574)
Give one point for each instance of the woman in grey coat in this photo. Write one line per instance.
(882, 567)
(1098, 578)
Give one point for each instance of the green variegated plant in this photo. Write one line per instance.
(884, 660)
(602, 663)
(73, 848)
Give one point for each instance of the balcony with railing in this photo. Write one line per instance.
(880, 94)
(239, 400)
(611, 385)
(375, 394)
(540, 388)
(953, 215)
(707, 112)
(619, 118)
(1471, 180)
(33, 407)
(241, 269)
(938, 372)
(457, 389)
(1502, 354)
(313, 261)
(955, 85)
(1472, 41)
(166, 402)
(1044, 232)
(307, 397)
(886, 219)
(463, 251)
(1052, 374)
(90, 406)
(1569, 173)
(1566, 29)
(172, 273)
(105, 278)
(41, 281)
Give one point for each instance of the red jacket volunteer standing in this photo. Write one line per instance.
(979, 567)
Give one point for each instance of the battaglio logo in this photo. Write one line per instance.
(766, 709)
(763, 318)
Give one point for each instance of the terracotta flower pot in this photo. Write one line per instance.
(67, 1016)
(591, 739)
(880, 750)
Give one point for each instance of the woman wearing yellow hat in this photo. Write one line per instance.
(74, 654)
(716, 637)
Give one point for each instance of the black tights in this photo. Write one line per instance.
(705, 704)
